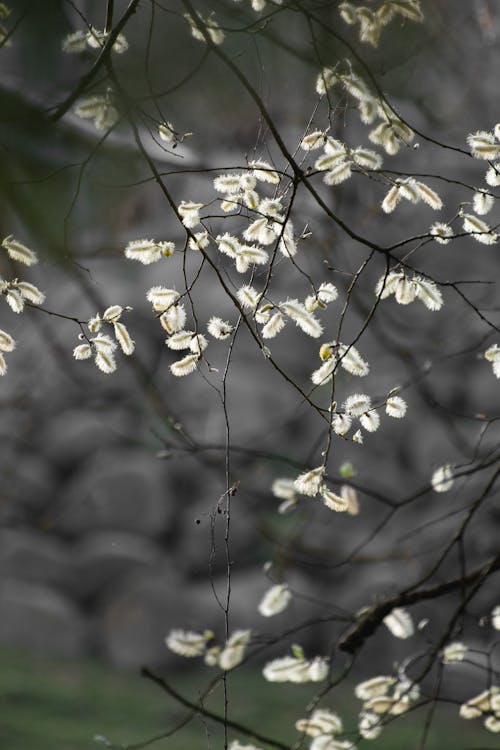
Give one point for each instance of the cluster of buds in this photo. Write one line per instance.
(101, 346)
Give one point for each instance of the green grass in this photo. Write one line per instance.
(56, 705)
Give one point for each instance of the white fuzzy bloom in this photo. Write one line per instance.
(366, 158)
(180, 340)
(327, 292)
(103, 343)
(495, 617)
(408, 189)
(251, 199)
(148, 251)
(336, 148)
(7, 343)
(355, 86)
(3, 365)
(105, 361)
(348, 13)
(184, 366)
(370, 421)
(287, 244)
(453, 652)
(350, 496)
(358, 437)
(99, 108)
(318, 669)
(341, 423)
(352, 361)
(400, 623)
(228, 245)
(488, 700)
(260, 231)
(311, 303)
(492, 723)
(214, 32)
(198, 343)
(173, 319)
(17, 251)
(166, 132)
(325, 742)
(96, 39)
(275, 600)
(324, 373)
(492, 175)
(234, 650)
(369, 725)
(313, 141)
(427, 292)
(391, 135)
(274, 325)
(406, 689)
(309, 482)
(479, 229)
(252, 255)
(199, 241)
(493, 355)
(227, 183)
(380, 705)
(296, 669)
(302, 318)
(483, 145)
(326, 79)
(127, 345)
(338, 174)
(231, 202)
(357, 404)
(30, 292)
(248, 181)
(332, 500)
(284, 489)
(82, 351)
(368, 110)
(395, 407)
(112, 314)
(441, 232)
(442, 479)
(404, 291)
(263, 314)
(264, 172)
(14, 299)
(212, 654)
(248, 297)
(188, 643)
(272, 208)
(211, 27)
(75, 42)
(320, 722)
(429, 196)
(219, 329)
(190, 213)
(162, 298)
(482, 202)
(386, 285)
(374, 687)
(286, 669)
(331, 158)
(235, 745)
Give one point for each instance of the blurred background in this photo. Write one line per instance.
(111, 530)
